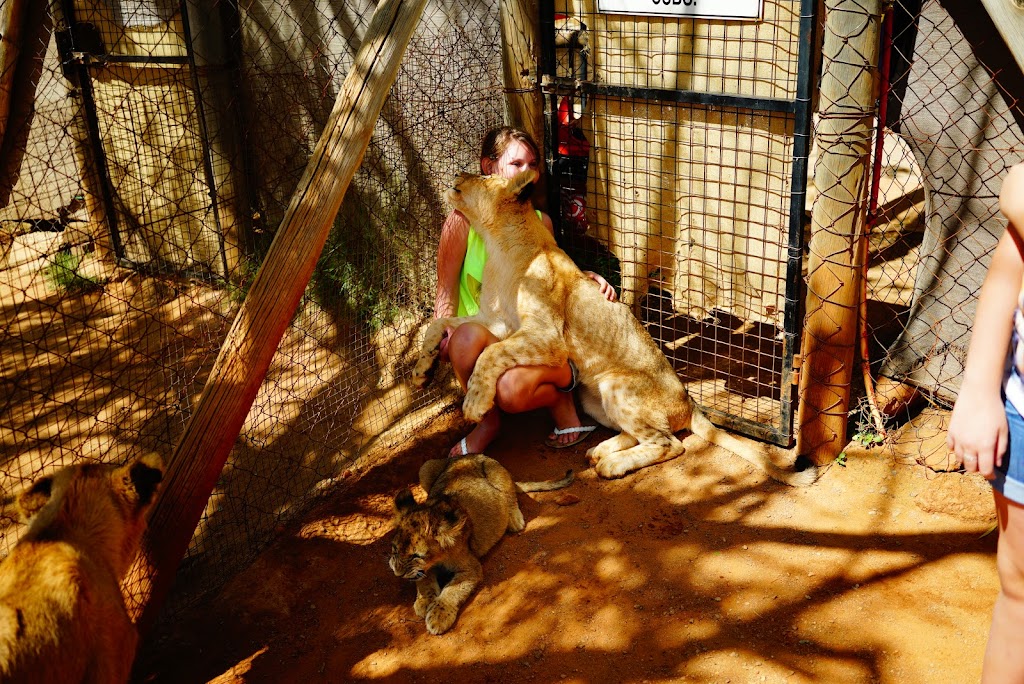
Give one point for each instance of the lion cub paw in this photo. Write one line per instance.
(476, 404)
(440, 617)
(423, 371)
(422, 604)
(610, 468)
(594, 455)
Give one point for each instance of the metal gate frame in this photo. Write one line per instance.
(554, 86)
(79, 61)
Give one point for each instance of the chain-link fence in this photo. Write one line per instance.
(152, 147)
(160, 145)
(953, 120)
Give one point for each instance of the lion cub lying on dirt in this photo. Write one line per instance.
(62, 615)
(543, 310)
(471, 502)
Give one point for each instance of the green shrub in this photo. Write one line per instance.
(63, 276)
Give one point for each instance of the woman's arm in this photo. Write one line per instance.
(977, 431)
(606, 288)
(1011, 198)
(451, 252)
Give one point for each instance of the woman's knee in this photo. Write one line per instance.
(513, 392)
(468, 340)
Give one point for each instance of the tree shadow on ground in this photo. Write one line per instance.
(696, 568)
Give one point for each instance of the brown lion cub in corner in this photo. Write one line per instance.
(543, 310)
(62, 614)
(471, 502)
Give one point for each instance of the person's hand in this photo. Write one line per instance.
(606, 289)
(977, 433)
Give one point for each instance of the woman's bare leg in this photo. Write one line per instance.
(525, 388)
(1003, 661)
(465, 346)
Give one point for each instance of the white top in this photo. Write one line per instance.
(1014, 383)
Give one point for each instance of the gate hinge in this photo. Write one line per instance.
(798, 362)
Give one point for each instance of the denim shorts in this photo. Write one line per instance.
(1009, 477)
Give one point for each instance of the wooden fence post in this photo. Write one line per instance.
(520, 58)
(264, 316)
(12, 29)
(1008, 16)
(844, 134)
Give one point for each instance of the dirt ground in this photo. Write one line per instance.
(697, 570)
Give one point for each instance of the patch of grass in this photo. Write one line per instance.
(865, 431)
(238, 291)
(868, 439)
(63, 276)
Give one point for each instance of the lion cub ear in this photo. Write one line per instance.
(404, 501)
(35, 496)
(138, 480)
(522, 185)
(449, 522)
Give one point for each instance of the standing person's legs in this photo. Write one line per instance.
(1004, 655)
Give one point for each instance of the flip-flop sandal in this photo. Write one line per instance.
(463, 449)
(582, 432)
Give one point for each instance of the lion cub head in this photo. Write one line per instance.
(98, 505)
(424, 534)
(485, 198)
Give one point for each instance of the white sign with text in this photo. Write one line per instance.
(705, 9)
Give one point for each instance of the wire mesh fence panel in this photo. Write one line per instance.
(692, 127)
(164, 142)
(952, 128)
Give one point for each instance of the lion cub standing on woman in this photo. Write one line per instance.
(543, 310)
(62, 614)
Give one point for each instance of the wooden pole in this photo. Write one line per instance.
(12, 29)
(520, 57)
(257, 330)
(1008, 16)
(846, 107)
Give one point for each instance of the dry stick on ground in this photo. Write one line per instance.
(257, 330)
(847, 95)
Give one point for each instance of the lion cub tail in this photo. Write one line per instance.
(546, 485)
(801, 474)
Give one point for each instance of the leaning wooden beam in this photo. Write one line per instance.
(257, 330)
(844, 132)
(1008, 16)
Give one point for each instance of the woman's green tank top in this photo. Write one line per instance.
(472, 274)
